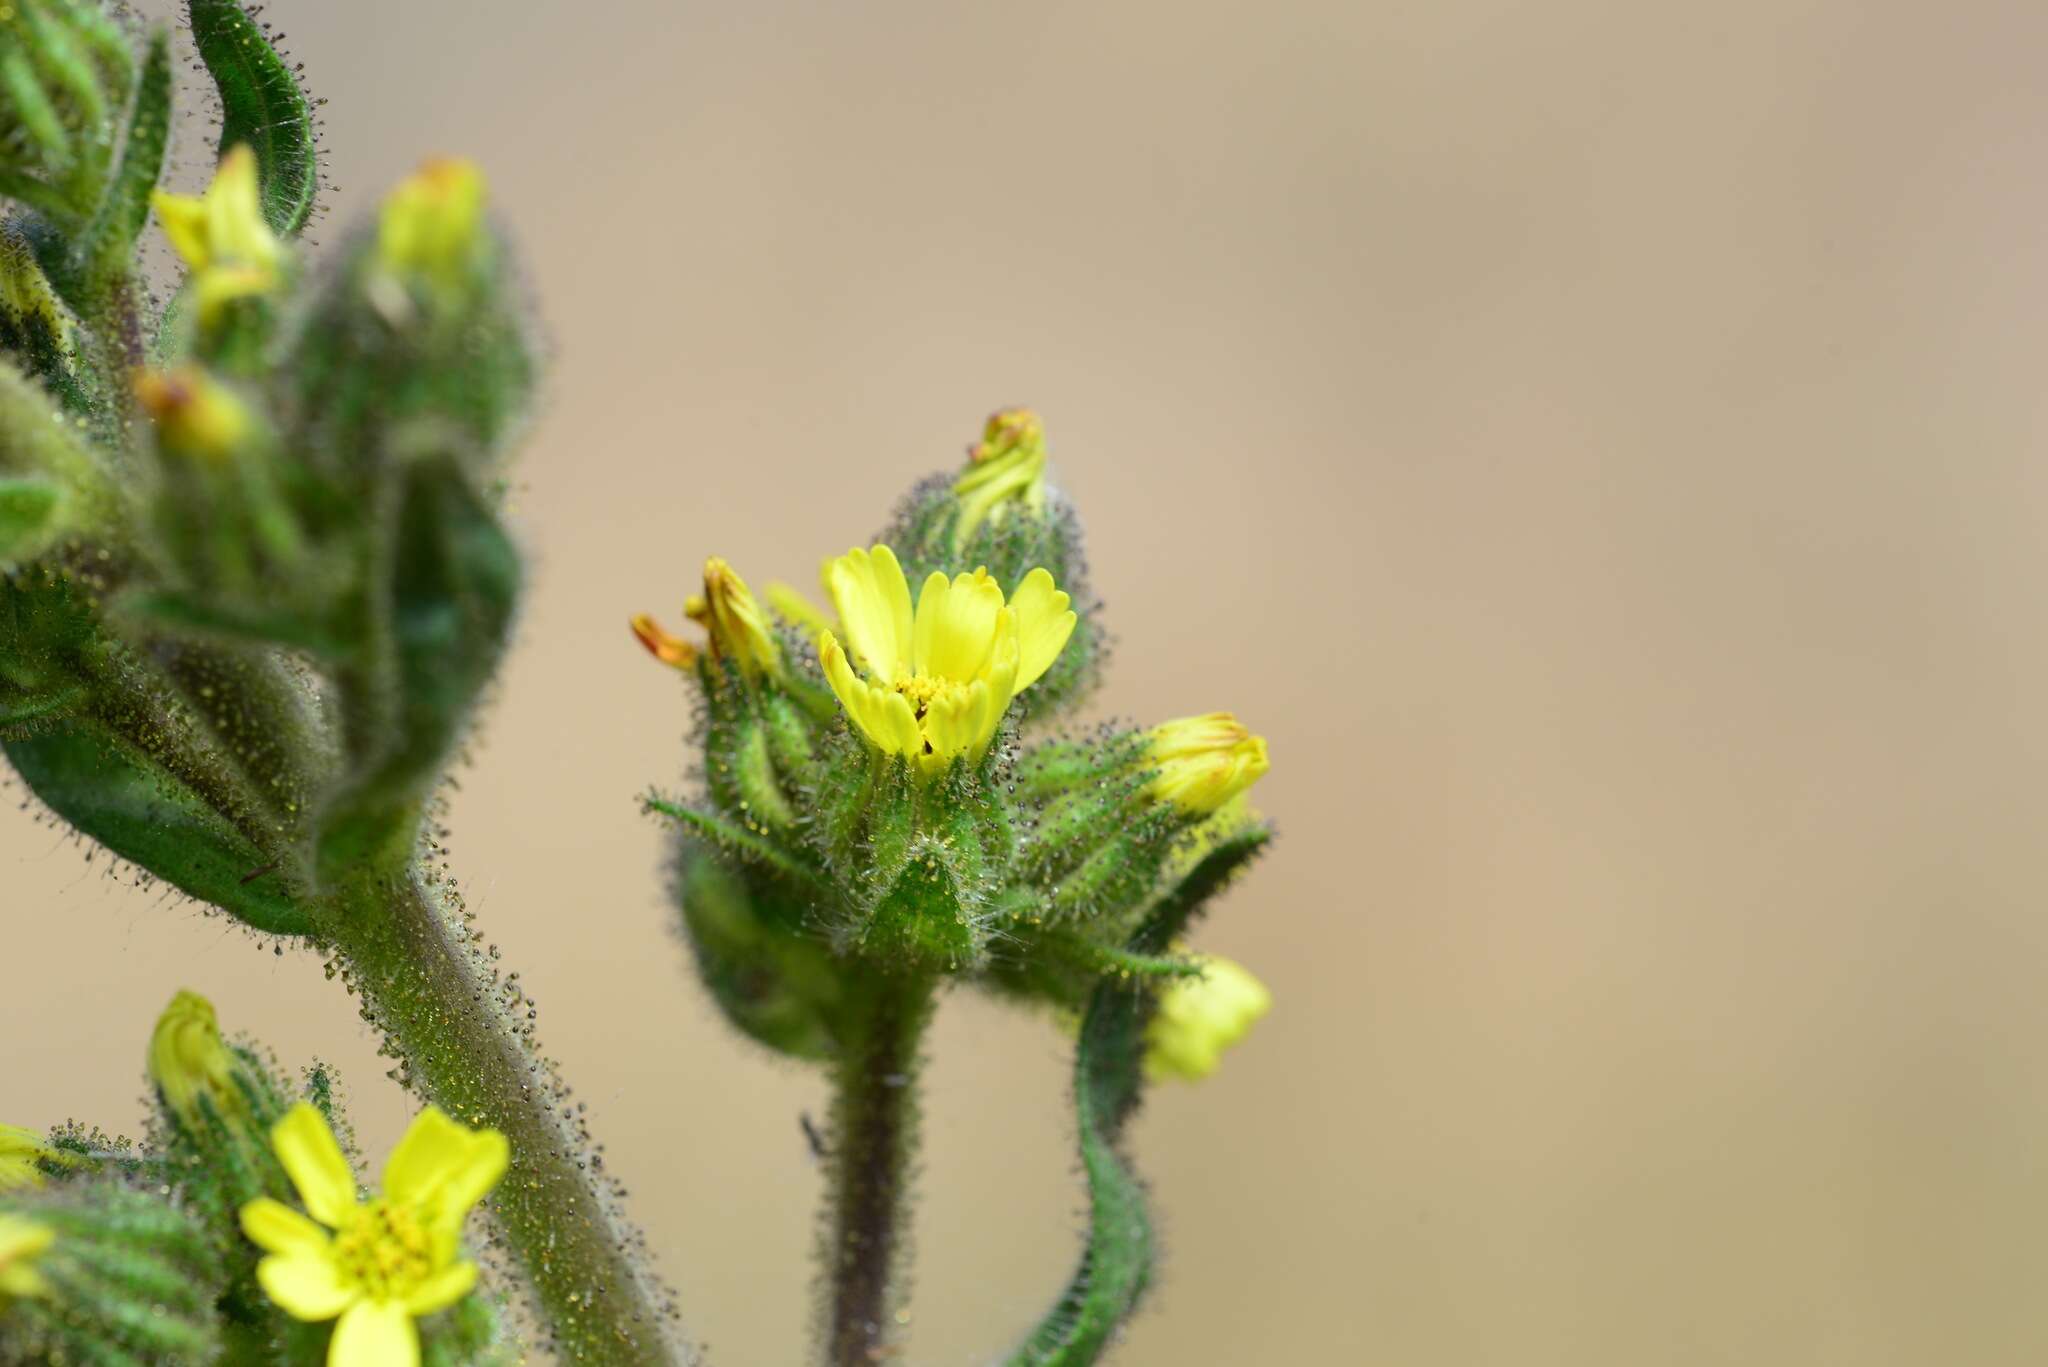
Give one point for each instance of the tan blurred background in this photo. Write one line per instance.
(1601, 446)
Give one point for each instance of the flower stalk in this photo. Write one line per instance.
(874, 1138)
(449, 1017)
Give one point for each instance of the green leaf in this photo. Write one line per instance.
(30, 518)
(1116, 1265)
(443, 616)
(261, 105)
(128, 802)
(124, 207)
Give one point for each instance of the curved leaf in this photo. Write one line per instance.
(1116, 1266)
(261, 105)
(127, 802)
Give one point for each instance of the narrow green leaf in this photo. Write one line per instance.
(738, 841)
(124, 207)
(1116, 1265)
(261, 105)
(132, 805)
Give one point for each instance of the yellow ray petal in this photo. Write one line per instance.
(1044, 623)
(308, 1286)
(315, 1164)
(375, 1334)
(956, 625)
(873, 600)
(275, 1227)
(883, 715)
(442, 1290)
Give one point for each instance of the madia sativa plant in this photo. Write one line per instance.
(253, 581)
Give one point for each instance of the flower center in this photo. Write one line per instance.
(384, 1250)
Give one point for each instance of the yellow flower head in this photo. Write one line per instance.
(188, 1060)
(1009, 462)
(21, 1151)
(733, 622)
(1204, 761)
(195, 414)
(431, 224)
(386, 1261)
(1199, 1018)
(222, 235)
(940, 678)
(22, 1241)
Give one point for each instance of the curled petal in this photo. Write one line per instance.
(883, 715)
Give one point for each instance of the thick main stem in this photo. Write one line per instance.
(874, 1135)
(447, 1015)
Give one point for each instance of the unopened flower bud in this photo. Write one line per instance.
(189, 1063)
(1204, 761)
(1199, 1018)
(1008, 463)
(431, 225)
(195, 414)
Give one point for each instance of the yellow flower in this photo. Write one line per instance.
(222, 235)
(20, 1152)
(22, 1240)
(940, 678)
(195, 414)
(1199, 1018)
(187, 1060)
(387, 1261)
(1009, 462)
(431, 221)
(1204, 761)
(732, 620)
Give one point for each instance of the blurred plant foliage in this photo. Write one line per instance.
(255, 579)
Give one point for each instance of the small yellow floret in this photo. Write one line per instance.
(374, 1265)
(189, 1062)
(1199, 1018)
(939, 678)
(222, 235)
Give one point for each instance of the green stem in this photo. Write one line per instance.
(874, 1135)
(452, 1019)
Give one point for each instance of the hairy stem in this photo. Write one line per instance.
(874, 1136)
(463, 1033)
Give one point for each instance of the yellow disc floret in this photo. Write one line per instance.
(937, 678)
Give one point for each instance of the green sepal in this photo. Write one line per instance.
(263, 106)
(31, 518)
(129, 1279)
(125, 800)
(444, 614)
(1116, 1264)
